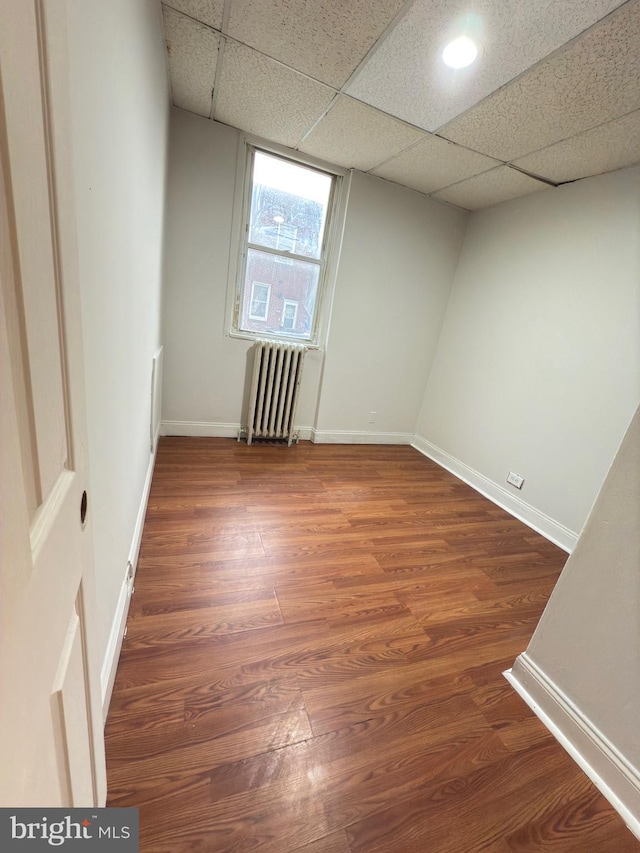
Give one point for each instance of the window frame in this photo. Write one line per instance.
(239, 244)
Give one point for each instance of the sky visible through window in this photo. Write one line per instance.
(291, 178)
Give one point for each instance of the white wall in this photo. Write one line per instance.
(205, 369)
(394, 275)
(538, 366)
(399, 254)
(582, 666)
(120, 122)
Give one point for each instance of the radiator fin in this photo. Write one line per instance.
(277, 371)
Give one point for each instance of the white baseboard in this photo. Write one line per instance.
(199, 429)
(221, 430)
(321, 436)
(116, 635)
(204, 429)
(529, 515)
(114, 645)
(134, 551)
(608, 769)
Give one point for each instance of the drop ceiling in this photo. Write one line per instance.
(553, 97)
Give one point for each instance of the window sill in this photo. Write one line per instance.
(277, 339)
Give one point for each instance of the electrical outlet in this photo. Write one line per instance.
(372, 417)
(515, 480)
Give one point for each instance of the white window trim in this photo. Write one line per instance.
(333, 238)
(268, 302)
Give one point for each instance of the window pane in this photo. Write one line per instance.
(294, 282)
(259, 309)
(289, 315)
(288, 206)
(260, 291)
(259, 301)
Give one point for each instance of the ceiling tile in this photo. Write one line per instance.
(357, 136)
(193, 54)
(325, 39)
(610, 146)
(407, 78)
(262, 96)
(433, 164)
(207, 11)
(499, 184)
(596, 79)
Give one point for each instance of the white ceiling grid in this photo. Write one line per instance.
(354, 135)
(407, 77)
(323, 38)
(595, 79)
(604, 148)
(434, 164)
(209, 12)
(267, 98)
(555, 91)
(500, 184)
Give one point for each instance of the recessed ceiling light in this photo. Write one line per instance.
(460, 52)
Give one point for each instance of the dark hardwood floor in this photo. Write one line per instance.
(313, 663)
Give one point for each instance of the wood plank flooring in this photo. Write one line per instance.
(313, 663)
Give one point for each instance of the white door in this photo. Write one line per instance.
(51, 743)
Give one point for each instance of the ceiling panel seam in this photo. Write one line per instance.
(493, 169)
(427, 135)
(218, 74)
(572, 135)
(322, 115)
(563, 48)
(376, 45)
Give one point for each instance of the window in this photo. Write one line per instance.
(289, 315)
(259, 304)
(284, 247)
